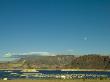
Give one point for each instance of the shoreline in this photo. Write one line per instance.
(79, 80)
(63, 69)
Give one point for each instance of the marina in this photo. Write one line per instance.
(52, 74)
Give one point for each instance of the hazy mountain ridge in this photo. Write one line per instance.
(69, 61)
(91, 61)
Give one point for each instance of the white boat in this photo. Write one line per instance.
(29, 70)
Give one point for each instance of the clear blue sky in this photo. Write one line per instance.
(81, 26)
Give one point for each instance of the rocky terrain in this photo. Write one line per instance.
(91, 61)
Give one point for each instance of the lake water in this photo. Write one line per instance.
(53, 74)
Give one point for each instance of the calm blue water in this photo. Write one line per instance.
(17, 74)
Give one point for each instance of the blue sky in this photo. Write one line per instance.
(78, 26)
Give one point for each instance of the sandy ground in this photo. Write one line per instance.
(55, 81)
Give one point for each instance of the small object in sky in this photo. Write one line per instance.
(85, 38)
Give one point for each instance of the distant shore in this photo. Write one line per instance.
(64, 69)
(57, 80)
